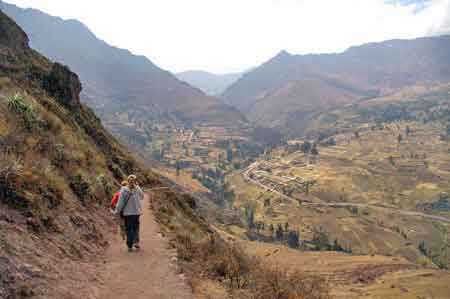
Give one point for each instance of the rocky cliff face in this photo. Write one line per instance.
(63, 85)
(12, 36)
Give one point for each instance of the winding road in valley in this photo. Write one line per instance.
(246, 174)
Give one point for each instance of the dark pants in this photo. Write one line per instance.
(132, 227)
(136, 241)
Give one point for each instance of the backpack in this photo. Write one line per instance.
(125, 204)
(115, 200)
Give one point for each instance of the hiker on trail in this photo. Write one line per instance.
(138, 232)
(129, 205)
(114, 201)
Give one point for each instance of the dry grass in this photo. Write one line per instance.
(205, 256)
(275, 283)
(247, 277)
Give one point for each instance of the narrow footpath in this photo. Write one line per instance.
(144, 274)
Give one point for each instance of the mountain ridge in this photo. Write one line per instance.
(116, 80)
(363, 71)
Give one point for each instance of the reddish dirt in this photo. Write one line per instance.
(147, 273)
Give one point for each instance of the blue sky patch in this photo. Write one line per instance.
(421, 4)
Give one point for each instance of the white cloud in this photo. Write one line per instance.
(225, 35)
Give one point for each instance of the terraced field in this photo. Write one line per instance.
(369, 192)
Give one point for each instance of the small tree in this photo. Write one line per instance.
(407, 131)
(314, 150)
(250, 215)
(293, 239)
(423, 248)
(391, 160)
(286, 227)
(320, 240)
(307, 187)
(229, 155)
(178, 167)
(306, 147)
(280, 234)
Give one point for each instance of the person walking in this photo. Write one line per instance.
(114, 201)
(129, 205)
(138, 232)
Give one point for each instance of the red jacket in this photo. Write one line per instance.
(115, 199)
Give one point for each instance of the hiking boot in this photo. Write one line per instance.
(137, 246)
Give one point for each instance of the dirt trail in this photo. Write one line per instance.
(147, 273)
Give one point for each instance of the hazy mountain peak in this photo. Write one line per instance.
(211, 84)
(288, 87)
(283, 55)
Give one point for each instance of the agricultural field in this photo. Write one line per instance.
(363, 191)
(362, 201)
(356, 276)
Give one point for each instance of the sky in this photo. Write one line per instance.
(233, 35)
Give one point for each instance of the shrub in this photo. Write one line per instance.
(105, 186)
(80, 187)
(11, 169)
(27, 112)
(329, 142)
(320, 239)
(219, 259)
(248, 275)
(273, 283)
(202, 251)
(59, 156)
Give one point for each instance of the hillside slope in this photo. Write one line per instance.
(58, 168)
(289, 88)
(211, 84)
(114, 79)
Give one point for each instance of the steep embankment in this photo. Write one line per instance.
(58, 167)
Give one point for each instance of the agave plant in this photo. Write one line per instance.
(16, 103)
(28, 112)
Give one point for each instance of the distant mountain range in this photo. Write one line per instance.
(288, 89)
(130, 93)
(116, 82)
(211, 84)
